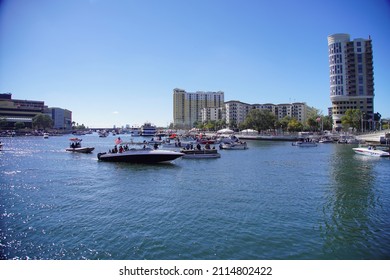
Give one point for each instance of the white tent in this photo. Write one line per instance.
(249, 131)
(225, 131)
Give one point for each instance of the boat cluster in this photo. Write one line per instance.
(363, 149)
(168, 147)
(311, 141)
(164, 150)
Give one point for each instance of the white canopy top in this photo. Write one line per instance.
(249, 131)
(225, 130)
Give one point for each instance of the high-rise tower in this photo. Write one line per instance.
(351, 76)
(187, 106)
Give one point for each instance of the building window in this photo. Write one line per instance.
(360, 58)
(361, 90)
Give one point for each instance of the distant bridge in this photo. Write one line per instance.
(373, 136)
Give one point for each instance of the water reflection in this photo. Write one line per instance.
(348, 228)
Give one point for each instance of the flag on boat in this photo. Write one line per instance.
(118, 141)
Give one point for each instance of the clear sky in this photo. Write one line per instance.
(116, 62)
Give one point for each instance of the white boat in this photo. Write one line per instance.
(200, 153)
(325, 140)
(371, 151)
(103, 133)
(233, 146)
(348, 140)
(305, 144)
(148, 130)
(135, 131)
(156, 141)
(232, 143)
(170, 143)
(45, 135)
(139, 154)
(75, 146)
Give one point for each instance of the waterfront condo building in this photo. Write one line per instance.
(188, 106)
(212, 114)
(237, 111)
(351, 76)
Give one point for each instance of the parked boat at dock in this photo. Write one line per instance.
(148, 129)
(348, 139)
(268, 137)
(135, 131)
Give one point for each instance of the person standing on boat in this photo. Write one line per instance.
(118, 141)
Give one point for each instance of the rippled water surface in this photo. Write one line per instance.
(272, 201)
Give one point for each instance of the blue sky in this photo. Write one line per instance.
(116, 62)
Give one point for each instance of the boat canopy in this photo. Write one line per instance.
(225, 130)
(249, 131)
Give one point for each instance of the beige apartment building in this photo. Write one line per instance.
(212, 114)
(188, 106)
(237, 111)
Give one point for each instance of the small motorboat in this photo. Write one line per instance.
(371, 151)
(233, 146)
(45, 135)
(75, 146)
(326, 140)
(200, 153)
(138, 154)
(305, 143)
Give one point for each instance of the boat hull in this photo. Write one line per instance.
(305, 144)
(85, 150)
(200, 154)
(140, 156)
(233, 147)
(370, 152)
